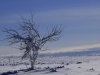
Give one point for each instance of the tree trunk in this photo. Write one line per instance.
(32, 65)
(33, 59)
(32, 62)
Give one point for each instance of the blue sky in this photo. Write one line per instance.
(81, 19)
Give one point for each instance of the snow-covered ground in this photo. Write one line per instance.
(73, 65)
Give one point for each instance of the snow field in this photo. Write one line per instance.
(90, 65)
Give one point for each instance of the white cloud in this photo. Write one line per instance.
(6, 50)
(73, 49)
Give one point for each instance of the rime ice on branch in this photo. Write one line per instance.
(30, 40)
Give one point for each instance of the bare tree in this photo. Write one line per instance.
(30, 40)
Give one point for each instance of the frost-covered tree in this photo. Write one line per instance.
(29, 39)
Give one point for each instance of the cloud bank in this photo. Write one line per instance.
(6, 50)
(74, 49)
